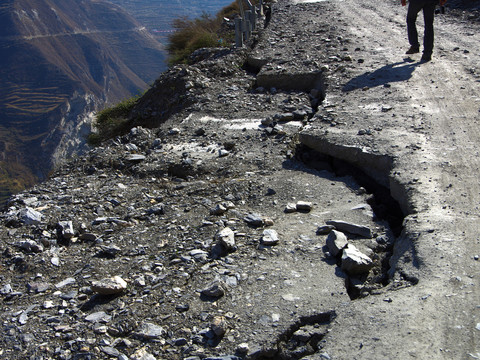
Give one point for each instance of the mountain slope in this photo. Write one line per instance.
(62, 60)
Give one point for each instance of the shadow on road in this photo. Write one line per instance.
(399, 71)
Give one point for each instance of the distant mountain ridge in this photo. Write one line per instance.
(61, 61)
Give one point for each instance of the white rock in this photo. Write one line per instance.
(226, 237)
(109, 286)
(30, 216)
(354, 261)
(270, 237)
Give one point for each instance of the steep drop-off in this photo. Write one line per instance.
(62, 60)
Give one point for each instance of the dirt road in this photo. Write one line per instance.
(425, 117)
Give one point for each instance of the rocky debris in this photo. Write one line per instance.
(149, 331)
(354, 262)
(254, 220)
(109, 286)
(351, 228)
(66, 229)
(226, 237)
(325, 229)
(270, 237)
(305, 206)
(215, 289)
(300, 206)
(29, 216)
(336, 242)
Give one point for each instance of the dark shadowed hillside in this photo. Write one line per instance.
(61, 60)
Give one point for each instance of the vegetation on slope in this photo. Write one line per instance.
(205, 31)
(112, 121)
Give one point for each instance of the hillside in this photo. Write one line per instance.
(60, 61)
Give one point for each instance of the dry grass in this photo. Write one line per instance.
(205, 31)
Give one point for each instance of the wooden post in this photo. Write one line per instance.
(238, 32)
(248, 24)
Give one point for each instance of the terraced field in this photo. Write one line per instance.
(30, 101)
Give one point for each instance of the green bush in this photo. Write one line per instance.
(112, 121)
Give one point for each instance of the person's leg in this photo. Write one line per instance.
(413, 9)
(428, 16)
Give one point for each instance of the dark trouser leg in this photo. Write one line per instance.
(428, 15)
(413, 10)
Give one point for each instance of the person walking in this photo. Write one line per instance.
(428, 7)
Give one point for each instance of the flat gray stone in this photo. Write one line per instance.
(150, 331)
(351, 228)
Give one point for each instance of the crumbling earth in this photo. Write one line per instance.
(311, 197)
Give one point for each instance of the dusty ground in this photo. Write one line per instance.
(431, 134)
(233, 140)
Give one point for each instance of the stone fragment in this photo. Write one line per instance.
(351, 228)
(110, 351)
(135, 158)
(98, 317)
(223, 153)
(142, 354)
(284, 117)
(268, 222)
(109, 251)
(156, 210)
(325, 229)
(174, 131)
(218, 210)
(270, 237)
(149, 331)
(6, 289)
(336, 242)
(219, 326)
(109, 286)
(67, 281)
(88, 237)
(355, 262)
(30, 246)
(38, 287)
(214, 289)
(55, 261)
(226, 238)
(254, 220)
(290, 208)
(66, 229)
(304, 206)
(243, 348)
(30, 216)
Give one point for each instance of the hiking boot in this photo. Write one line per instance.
(413, 50)
(426, 58)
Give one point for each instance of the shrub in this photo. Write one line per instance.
(205, 31)
(112, 121)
